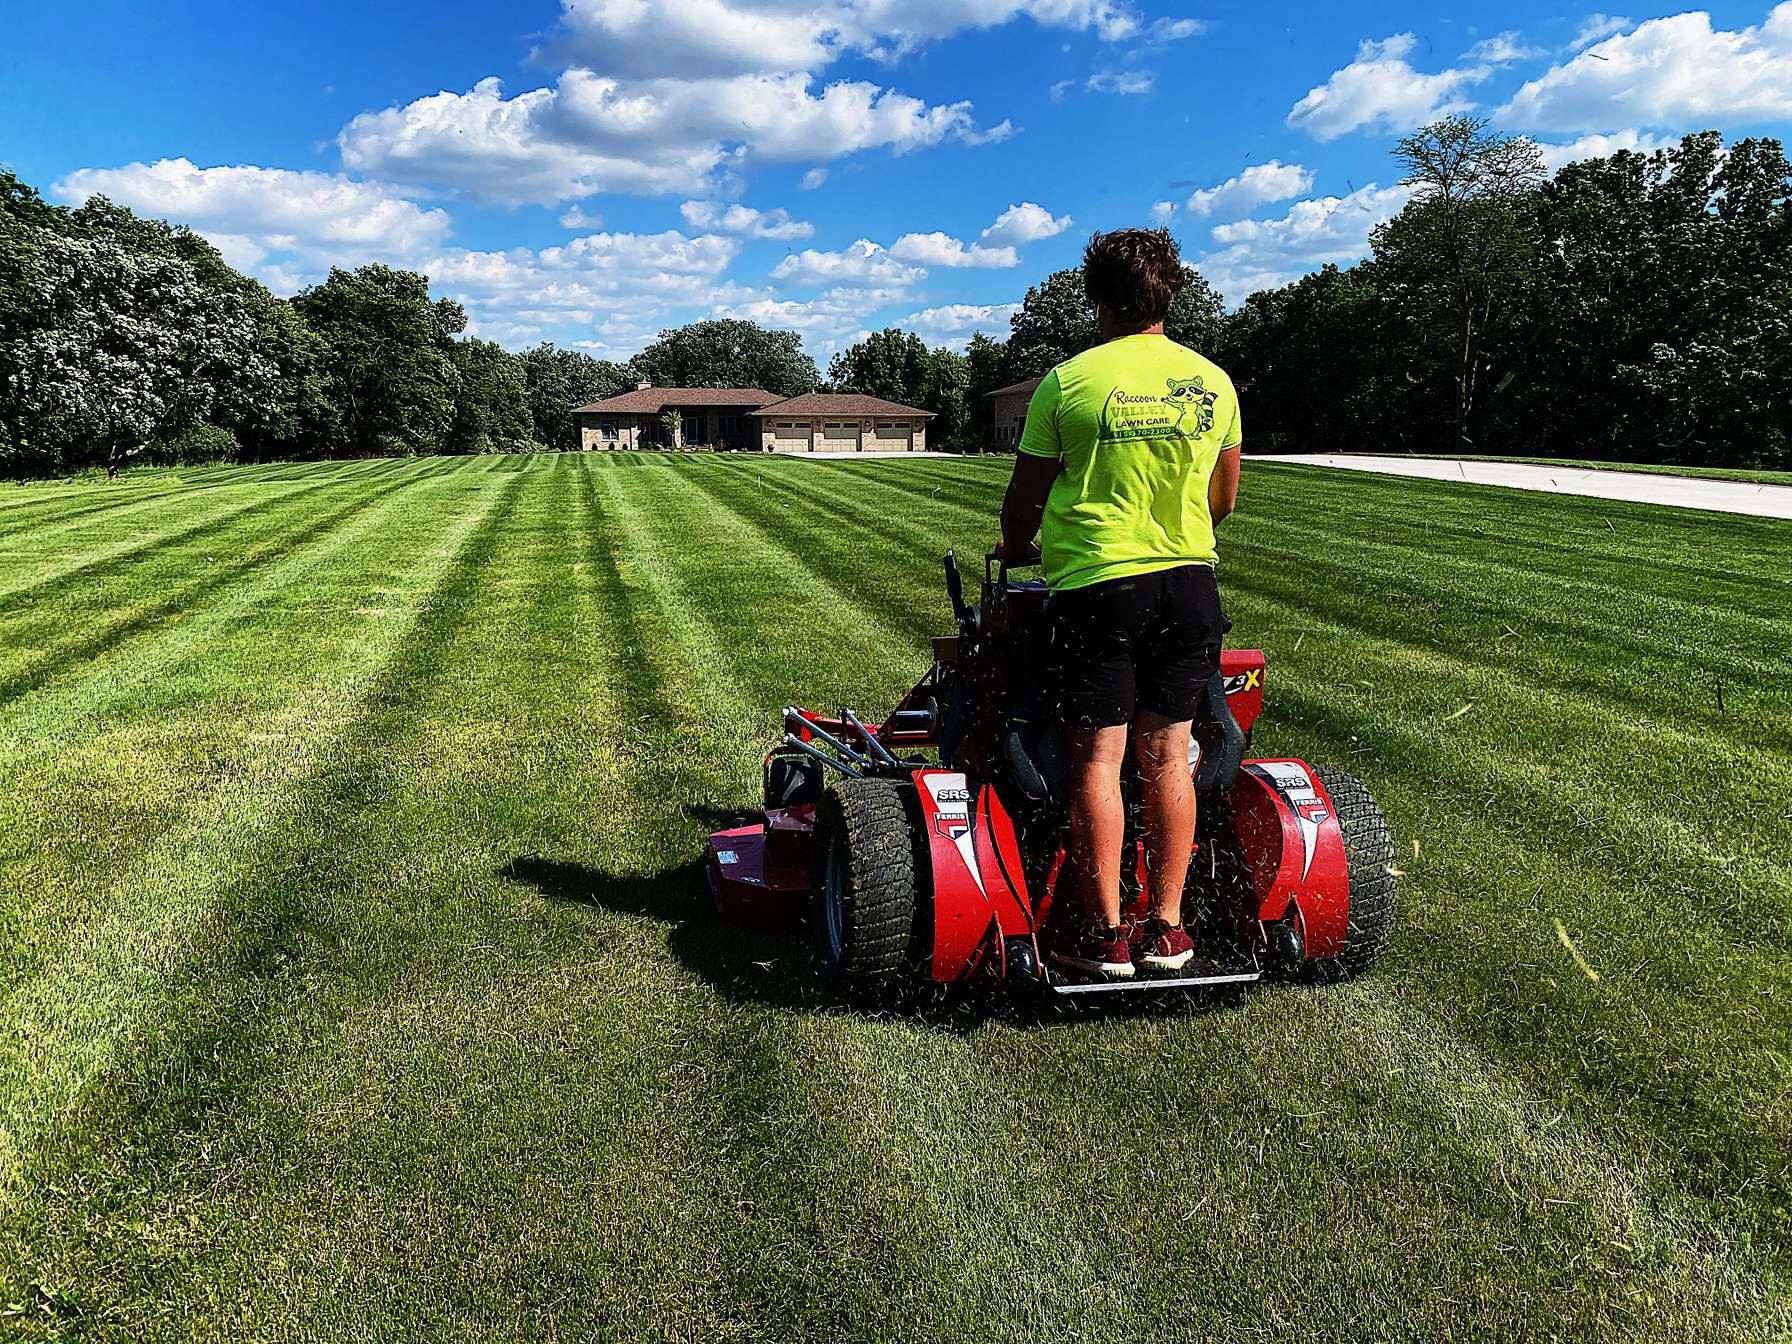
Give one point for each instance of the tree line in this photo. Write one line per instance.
(127, 340)
(1631, 308)
(1636, 307)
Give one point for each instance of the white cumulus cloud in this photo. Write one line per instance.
(744, 220)
(1503, 49)
(863, 264)
(942, 249)
(1596, 27)
(1025, 223)
(1257, 185)
(706, 38)
(251, 212)
(953, 324)
(592, 133)
(1676, 71)
(1556, 157)
(1381, 91)
(1125, 82)
(1263, 254)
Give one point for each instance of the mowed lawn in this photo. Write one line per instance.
(359, 984)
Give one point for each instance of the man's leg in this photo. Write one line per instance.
(1169, 800)
(1093, 672)
(1097, 818)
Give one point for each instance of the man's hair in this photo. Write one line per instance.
(1133, 273)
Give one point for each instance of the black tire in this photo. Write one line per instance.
(1369, 849)
(866, 889)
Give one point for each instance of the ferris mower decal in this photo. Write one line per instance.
(952, 818)
(934, 844)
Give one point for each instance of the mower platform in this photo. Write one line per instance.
(1196, 975)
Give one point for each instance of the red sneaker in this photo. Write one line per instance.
(1098, 950)
(1163, 947)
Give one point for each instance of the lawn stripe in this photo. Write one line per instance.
(781, 1120)
(52, 575)
(99, 770)
(15, 527)
(404, 726)
(83, 641)
(74, 1018)
(44, 718)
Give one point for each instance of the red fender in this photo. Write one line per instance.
(1294, 849)
(979, 887)
(1243, 672)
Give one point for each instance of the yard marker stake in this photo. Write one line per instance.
(1573, 951)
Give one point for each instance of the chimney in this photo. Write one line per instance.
(644, 384)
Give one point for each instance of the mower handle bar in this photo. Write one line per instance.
(1001, 564)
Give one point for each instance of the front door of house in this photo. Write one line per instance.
(692, 430)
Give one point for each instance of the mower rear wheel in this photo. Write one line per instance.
(1369, 850)
(866, 889)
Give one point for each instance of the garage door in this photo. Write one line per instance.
(790, 438)
(892, 438)
(840, 437)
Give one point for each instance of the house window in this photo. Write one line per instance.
(608, 430)
(727, 426)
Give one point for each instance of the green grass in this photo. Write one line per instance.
(1747, 475)
(358, 982)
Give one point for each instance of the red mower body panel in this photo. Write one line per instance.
(978, 883)
(1293, 847)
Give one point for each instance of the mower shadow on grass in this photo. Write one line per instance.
(740, 964)
(772, 970)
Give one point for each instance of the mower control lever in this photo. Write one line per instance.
(955, 588)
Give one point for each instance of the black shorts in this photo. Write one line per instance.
(1146, 643)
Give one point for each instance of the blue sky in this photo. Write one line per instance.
(593, 170)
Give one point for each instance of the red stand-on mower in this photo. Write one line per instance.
(931, 846)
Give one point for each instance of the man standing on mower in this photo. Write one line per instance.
(1129, 457)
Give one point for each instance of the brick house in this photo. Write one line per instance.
(841, 422)
(710, 417)
(750, 419)
(1008, 406)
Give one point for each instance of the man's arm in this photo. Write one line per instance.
(1024, 504)
(1222, 486)
(1038, 460)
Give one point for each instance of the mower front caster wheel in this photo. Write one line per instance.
(865, 892)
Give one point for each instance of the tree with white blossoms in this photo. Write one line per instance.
(113, 343)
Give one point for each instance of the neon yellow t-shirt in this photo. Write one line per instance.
(1139, 423)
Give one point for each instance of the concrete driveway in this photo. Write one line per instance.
(1680, 492)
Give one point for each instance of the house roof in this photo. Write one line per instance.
(840, 403)
(653, 400)
(1027, 385)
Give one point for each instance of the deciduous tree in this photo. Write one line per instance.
(728, 352)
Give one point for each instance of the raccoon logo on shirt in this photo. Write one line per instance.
(1189, 396)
